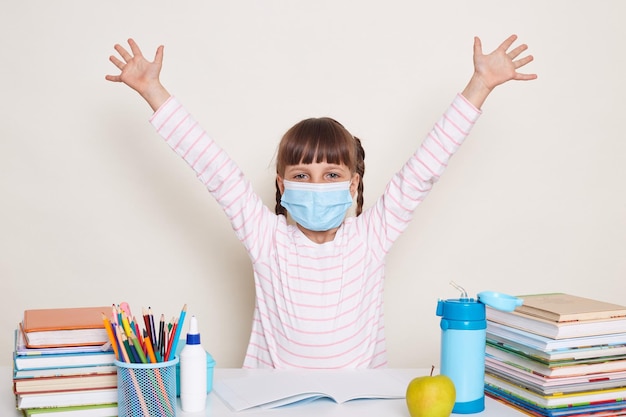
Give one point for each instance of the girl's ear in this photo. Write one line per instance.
(354, 184)
(280, 184)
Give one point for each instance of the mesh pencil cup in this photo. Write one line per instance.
(146, 389)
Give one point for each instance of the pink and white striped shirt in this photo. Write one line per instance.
(317, 305)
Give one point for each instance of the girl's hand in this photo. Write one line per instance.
(140, 74)
(495, 68)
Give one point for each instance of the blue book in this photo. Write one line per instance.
(64, 360)
(63, 357)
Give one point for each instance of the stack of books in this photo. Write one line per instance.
(558, 355)
(63, 364)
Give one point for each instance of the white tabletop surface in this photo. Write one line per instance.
(216, 408)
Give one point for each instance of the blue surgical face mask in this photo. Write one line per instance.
(317, 207)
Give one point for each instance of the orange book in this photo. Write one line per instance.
(57, 327)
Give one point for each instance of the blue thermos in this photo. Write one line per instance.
(463, 339)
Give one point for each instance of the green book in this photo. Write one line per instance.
(97, 410)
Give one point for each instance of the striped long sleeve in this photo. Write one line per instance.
(317, 305)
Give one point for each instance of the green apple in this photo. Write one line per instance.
(430, 396)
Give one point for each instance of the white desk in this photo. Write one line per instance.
(358, 408)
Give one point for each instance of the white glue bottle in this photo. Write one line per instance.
(193, 373)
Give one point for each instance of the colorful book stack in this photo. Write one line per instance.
(63, 364)
(558, 355)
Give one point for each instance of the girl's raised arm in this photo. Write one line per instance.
(140, 74)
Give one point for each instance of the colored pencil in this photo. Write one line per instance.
(150, 349)
(171, 341)
(112, 339)
(178, 329)
(162, 335)
(146, 322)
(135, 341)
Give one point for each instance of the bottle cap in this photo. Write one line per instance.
(462, 309)
(499, 301)
(193, 336)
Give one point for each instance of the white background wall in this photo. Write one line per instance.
(95, 209)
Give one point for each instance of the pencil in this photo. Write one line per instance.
(179, 327)
(132, 352)
(124, 352)
(146, 322)
(126, 324)
(138, 333)
(112, 339)
(118, 343)
(151, 331)
(114, 315)
(171, 341)
(150, 349)
(161, 347)
(139, 349)
(119, 316)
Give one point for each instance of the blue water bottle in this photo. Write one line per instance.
(463, 339)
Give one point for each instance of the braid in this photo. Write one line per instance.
(360, 169)
(279, 209)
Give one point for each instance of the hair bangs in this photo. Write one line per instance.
(317, 140)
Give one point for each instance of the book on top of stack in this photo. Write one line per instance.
(558, 355)
(63, 363)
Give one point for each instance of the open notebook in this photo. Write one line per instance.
(272, 388)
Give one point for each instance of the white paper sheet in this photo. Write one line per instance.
(276, 388)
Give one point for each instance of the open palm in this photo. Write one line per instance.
(136, 71)
(500, 66)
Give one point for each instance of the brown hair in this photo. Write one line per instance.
(318, 140)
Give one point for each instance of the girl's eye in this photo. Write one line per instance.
(333, 175)
(300, 177)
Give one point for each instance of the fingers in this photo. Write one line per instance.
(158, 56)
(525, 77)
(114, 78)
(126, 56)
(507, 43)
(122, 52)
(520, 63)
(478, 46)
(134, 47)
(119, 64)
(523, 61)
(517, 51)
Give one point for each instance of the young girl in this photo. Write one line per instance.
(319, 283)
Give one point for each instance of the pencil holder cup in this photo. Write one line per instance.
(146, 389)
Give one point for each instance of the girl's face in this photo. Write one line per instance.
(319, 173)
